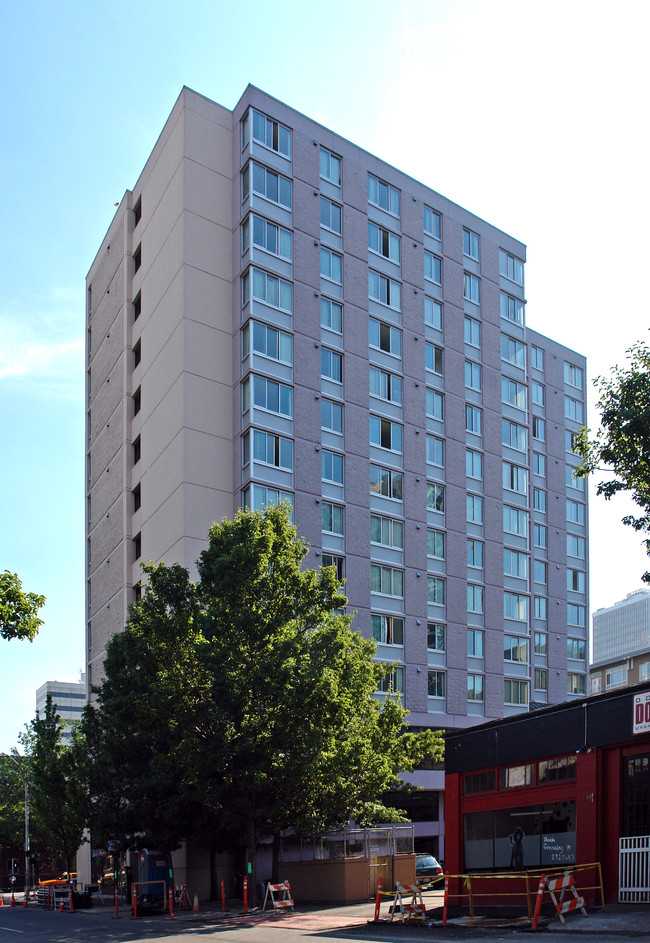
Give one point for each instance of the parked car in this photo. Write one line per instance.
(427, 868)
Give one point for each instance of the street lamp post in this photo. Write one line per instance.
(24, 773)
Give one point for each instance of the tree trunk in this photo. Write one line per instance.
(275, 866)
(212, 855)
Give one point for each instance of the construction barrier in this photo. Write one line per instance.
(283, 901)
(409, 910)
(562, 906)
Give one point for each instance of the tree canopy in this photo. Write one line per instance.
(246, 704)
(18, 609)
(621, 445)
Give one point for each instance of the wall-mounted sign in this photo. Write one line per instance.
(641, 716)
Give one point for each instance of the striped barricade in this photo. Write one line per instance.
(565, 882)
(279, 896)
(412, 909)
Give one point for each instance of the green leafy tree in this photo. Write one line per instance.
(621, 446)
(248, 699)
(12, 799)
(18, 610)
(59, 784)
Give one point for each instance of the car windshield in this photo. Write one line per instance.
(426, 861)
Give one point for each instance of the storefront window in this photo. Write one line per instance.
(521, 838)
(560, 767)
(513, 776)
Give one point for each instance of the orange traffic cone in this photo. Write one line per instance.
(2, 900)
(25, 899)
(61, 907)
(195, 905)
(13, 900)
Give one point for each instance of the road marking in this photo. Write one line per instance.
(11, 930)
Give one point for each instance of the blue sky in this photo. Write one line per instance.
(531, 114)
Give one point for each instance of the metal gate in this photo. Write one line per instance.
(634, 870)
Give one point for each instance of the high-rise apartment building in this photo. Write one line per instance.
(276, 313)
(620, 653)
(68, 699)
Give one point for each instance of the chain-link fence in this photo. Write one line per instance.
(349, 843)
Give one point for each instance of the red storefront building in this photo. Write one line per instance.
(564, 785)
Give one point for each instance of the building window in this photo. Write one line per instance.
(337, 563)
(474, 464)
(384, 337)
(432, 268)
(136, 450)
(573, 409)
(573, 375)
(137, 401)
(333, 521)
(273, 239)
(382, 194)
(575, 649)
(513, 393)
(537, 358)
(436, 544)
(332, 467)
(515, 692)
(473, 378)
(436, 636)
(386, 532)
(435, 451)
(515, 478)
(267, 288)
(433, 313)
(137, 258)
(513, 435)
(386, 580)
(331, 416)
(475, 688)
(436, 590)
(258, 497)
(383, 242)
(331, 265)
(330, 167)
(475, 597)
(472, 331)
(137, 211)
(436, 683)
(385, 290)
(435, 405)
(432, 223)
(644, 671)
(331, 315)
(511, 267)
(539, 536)
(575, 683)
(330, 215)
(512, 777)
(269, 449)
(389, 630)
(137, 498)
(471, 288)
(474, 509)
(386, 434)
(386, 482)
(470, 244)
(515, 563)
(475, 638)
(537, 393)
(616, 677)
(513, 351)
(539, 464)
(266, 131)
(515, 521)
(473, 420)
(540, 572)
(575, 615)
(435, 496)
(575, 546)
(540, 609)
(511, 309)
(540, 642)
(393, 682)
(433, 358)
(273, 187)
(596, 684)
(575, 512)
(268, 395)
(575, 580)
(515, 606)
(539, 500)
(331, 365)
(541, 679)
(539, 429)
(265, 340)
(570, 440)
(137, 306)
(480, 782)
(560, 767)
(137, 546)
(137, 353)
